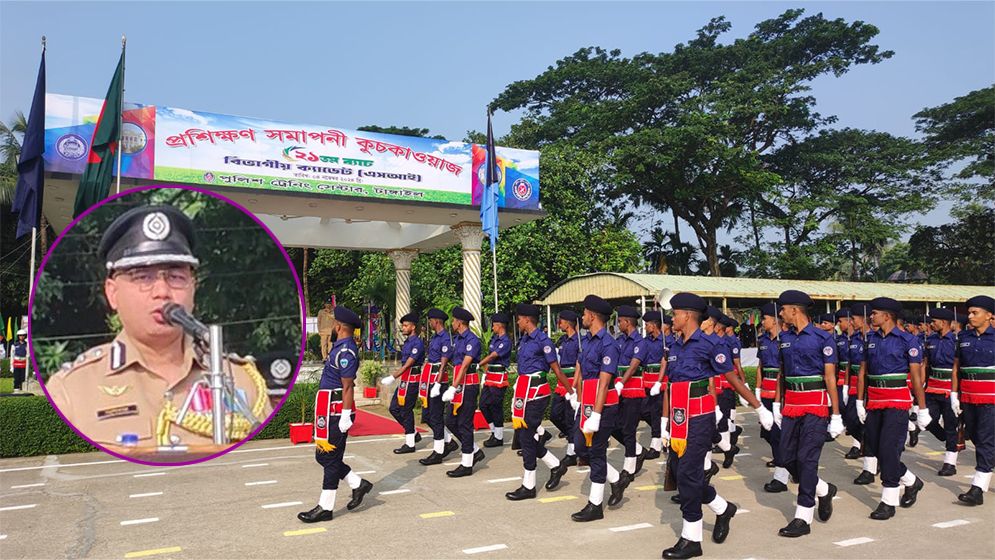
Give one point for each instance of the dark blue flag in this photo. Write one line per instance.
(31, 167)
(489, 198)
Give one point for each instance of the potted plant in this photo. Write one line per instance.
(370, 372)
(301, 432)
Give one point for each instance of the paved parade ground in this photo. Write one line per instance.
(244, 505)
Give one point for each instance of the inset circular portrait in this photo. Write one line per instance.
(166, 325)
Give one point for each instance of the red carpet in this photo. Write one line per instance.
(369, 424)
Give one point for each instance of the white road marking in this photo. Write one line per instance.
(743, 454)
(12, 508)
(954, 523)
(583, 470)
(490, 548)
(140, 521)
(2, 537)
(61, 466)
(260, 482)
(851, 542)
(145, 495)
(453, 464)
(281, 504)
(253, 465)
(398, 491)
(149, 474)
(35, 485)
(365, 472)
(630, 527)
(509, 479)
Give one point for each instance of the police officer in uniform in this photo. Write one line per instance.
(402, 404)
(941, 349)
(654, 378)
(892, 357)
(731, 338)
(495, 364)
(19, 358)
(694, 360)
(768, 369)
(440, 352)
(629, 385)
(334, 415)
(808, 371)
(561, 412)
(974, 392)
(859, 325)
(131, 391)
(466, 383)
(725, 397)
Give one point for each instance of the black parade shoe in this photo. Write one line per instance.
(775, 486)
(734, 437)
(522, 493)
(555, 475)
(865, 477)
(826, 503)
(639, 462)
(459, 472)
(546, 436)
(712, 471)
(417, 437)
(796, 528)
(914, 437)
(449, 448)
(569, 461)
(853, 453)
(676, 498)
(729, 456)
(590, 512)
(432, 459)
(651, 454)
(404, 449)
(883, 512)
(721, 529)
(478, 457)
(357, 495)
(683, 549)
(493, 442)
(618, 492)
(770, 464)
(947, 470)
(973, 497)
(315, 515)
(911, 494)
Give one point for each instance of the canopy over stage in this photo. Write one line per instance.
(313, 186)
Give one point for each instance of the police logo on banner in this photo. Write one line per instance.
(71, 146)
(519, 404)
(679, 416)
(522, 189)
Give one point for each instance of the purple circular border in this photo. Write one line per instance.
(300, 293)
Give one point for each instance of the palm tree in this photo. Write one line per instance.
(655, 251)
(10, 152)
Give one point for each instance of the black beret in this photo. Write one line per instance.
(984, 302)
(794, 297)
(842, 313)
(436, 313)
(768, 309)
(942, 313)
(729, 321)
(627, 311)
(410, 318)
(597, 305)
(668, 320)
(655, 316)
(567, 315)
(886, 304)
(345, 315)
(827, 318)
(714, 313)
(462, 314)
(527, 310)
(689, 302)
(860, 310)
(500, 318)
(148, 235)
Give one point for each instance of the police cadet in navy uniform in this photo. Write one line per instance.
(462, 394)
(768, 369)
(562, 412)
(808, 370)
(536, 355)
(495, 366)
(731, 338)
(842, 317)
(694, 360)
(892, 356)
(654, 378)
(974, 376)
(402, 405)
(440, 352)
(859, 327)
(597, 406)
(629, 385)
(336, 388)
(941, 348)
(725, 397)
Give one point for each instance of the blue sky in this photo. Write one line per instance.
(437, 64)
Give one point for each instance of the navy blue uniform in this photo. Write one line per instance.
(413, 348)
(940, 353)
(440, 346)
(461, 422)
(630, 347)
(599, 354)
(725, 397)
(535, 354)
(492, 397)
(342, 363)
(652, 407)
(851, 420)
(769, 355)
(19, 354)
(561, 413)
(976, 362)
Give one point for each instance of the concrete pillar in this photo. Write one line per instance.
(642, 308)
(471, 236)
(402, 272)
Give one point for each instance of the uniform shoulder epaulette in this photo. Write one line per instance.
(84, 358)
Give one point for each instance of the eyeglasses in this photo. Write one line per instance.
(145, 278)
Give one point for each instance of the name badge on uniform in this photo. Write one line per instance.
(117, 412)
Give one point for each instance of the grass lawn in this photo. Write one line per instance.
(6, 384)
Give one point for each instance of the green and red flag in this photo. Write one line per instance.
(94, 186)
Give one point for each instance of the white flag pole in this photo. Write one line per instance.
(120, 124)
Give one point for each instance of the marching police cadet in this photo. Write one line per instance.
(842, 318)
(808, 370)
(654, 378)
(859, 328)
(941, 348)
(402, 405)
(334, 415)
(974, 376)
(536, 355)
(768, 368)
(462, 394)
(561, 412)
(597, 406)
(19, 358)
(826, 322)
(496, 379)
(694, 360)
(892, 356)
(326, 326)
(725, 397)
(735, 348)
(629, 385)
(433, 380)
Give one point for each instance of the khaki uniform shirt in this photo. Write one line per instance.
(325, 321)
(109, 391)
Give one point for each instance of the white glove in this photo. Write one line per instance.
(436, 390)
(846, 394)
(655, 389)
(743, 401)
(756, 392)
(835, 425)
(345, 421)
(765, 417)
(955, 403)
(574, 403)
(718, 415)
(664, 432)
(777, 414)
(664, 423)
(593, 423)
(923, 418)
(618, 386)
(449, 394)
(861, 411)
(388, 380)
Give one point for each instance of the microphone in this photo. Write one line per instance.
(176, 315)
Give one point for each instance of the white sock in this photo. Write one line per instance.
(691, 530)
(449, 435)
(353, 480)
(439, 445)
(804, 513)
(529, 479)
(950, 457)
(708, 461)
(856, 443)
(912, 426)
(718, 505)
(656, 444)
(540, 431)
(908, 479)
(821, 489)
(570, 449)
(467, 460)
(550, 460)
(871, 464)
(890, 496)
(732, 420)
(781, 475)
(327, 500)
(597, 494)
(499, 432)
(724, 443)
(490, 425)
(409, 440)
(612, 474)
(629, 465)
(982, 480)
(639, 449)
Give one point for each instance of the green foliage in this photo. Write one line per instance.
(962, 253)
(370, 372)
(314, 344)
(30, 426)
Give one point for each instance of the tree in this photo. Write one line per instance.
(961, 253)
(685, 131)
(401, 130)
(10, 152)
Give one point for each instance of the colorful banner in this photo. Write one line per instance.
(182, 146)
